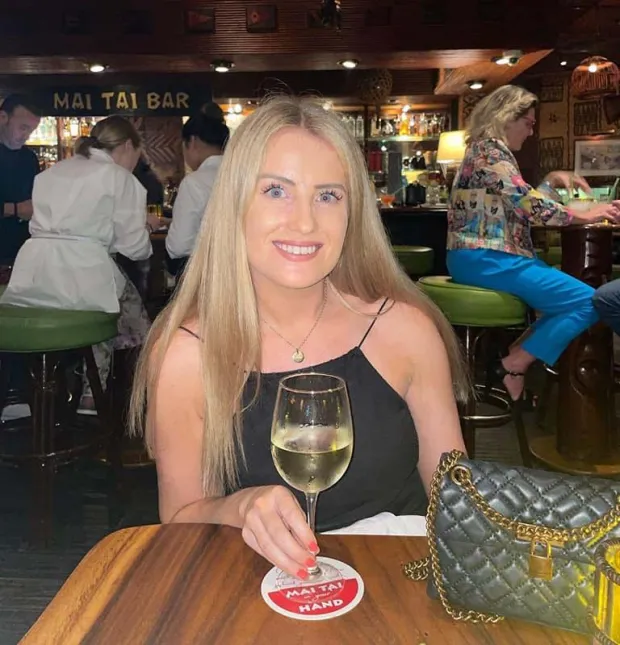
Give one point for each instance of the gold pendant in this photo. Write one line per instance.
(298, 356)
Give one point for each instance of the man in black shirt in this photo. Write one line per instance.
(18, 168)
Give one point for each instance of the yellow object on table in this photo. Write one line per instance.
(606, 612)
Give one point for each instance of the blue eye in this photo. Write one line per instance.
(329, 196)
(274, 190)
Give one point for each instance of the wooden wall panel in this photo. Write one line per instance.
(161, 142)
(36, 27)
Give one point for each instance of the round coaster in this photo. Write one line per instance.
(339, 589)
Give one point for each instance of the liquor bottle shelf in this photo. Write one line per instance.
(405, 138)
(41, 144)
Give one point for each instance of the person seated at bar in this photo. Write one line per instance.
(293, 258)
(490, 212)
(84, 209)
(204, 138)
(606, 301)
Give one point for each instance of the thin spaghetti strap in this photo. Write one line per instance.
(372, 324)
(189, 331)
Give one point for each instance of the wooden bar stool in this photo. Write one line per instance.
(49, 339)
(416, 261)
(477, 313)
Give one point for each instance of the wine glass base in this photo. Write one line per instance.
(335, 591)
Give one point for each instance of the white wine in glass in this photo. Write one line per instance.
(312, 435)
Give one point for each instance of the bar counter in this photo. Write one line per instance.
(419, 226)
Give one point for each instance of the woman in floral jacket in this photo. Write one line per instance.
(489, 243)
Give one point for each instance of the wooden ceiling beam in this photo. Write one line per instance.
(454, 81)
(184, 63)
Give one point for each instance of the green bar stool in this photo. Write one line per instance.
(416, 261)
(552, 256)
(46, 338)
(476, 312)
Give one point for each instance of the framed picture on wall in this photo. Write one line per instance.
(597, 157)
(587, 119)
(552, 92)
(550, 154)
(200, 20)
(261, 18)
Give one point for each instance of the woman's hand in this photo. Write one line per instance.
(565, 179)
(599, 213)
(274, 525)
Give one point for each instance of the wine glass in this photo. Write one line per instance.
(312, 436)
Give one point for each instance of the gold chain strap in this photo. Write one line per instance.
(419, 569)
(461, 475)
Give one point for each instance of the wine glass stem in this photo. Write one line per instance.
(311, 515)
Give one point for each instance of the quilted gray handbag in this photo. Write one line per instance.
(514, 542)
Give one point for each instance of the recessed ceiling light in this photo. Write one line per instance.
(349, 63)
(237, 108)
(475, 85)
(510, 57)
(564, 63)
(222, 66)
(593, 68)
(96, 68)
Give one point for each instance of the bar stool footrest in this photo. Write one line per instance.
(496, 398)
(75, 439)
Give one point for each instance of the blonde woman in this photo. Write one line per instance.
(85, 208)
(292, 259)
(490, 213)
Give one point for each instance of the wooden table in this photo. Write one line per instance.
(179, 584)
(586, 440)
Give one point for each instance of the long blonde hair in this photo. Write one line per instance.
(489, 118)
(217, 291)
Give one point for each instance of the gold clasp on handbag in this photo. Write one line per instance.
(541, 566)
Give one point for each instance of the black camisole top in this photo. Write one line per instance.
(382, 475)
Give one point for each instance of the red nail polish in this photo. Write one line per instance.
(311, 562)
(313, 547)
(303, 574)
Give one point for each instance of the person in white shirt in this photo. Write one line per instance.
(204, 138)
(85, 209)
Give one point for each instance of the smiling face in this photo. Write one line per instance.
(297, 220)
(520, 129)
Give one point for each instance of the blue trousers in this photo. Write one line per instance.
(564, 302)
(607, 303)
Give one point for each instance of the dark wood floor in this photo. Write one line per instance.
(30, 576)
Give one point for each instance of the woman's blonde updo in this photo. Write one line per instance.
(107, 135)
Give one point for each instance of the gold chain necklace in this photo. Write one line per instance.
(298, 356)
